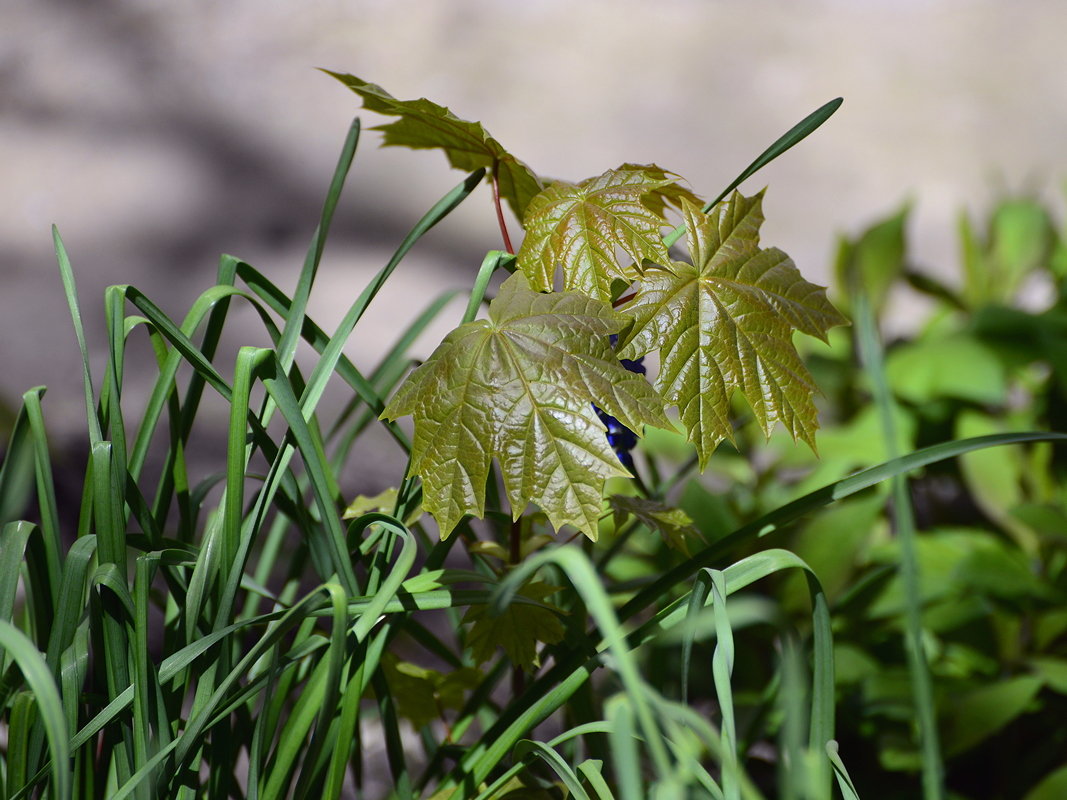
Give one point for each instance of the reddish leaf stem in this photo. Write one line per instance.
(626, 298)
(500, 210)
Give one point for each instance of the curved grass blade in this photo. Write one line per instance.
(494, 260)
(579, 730)
(722, 667)
(39, 678)
(844, 781)
(556, 763)
(17, 467)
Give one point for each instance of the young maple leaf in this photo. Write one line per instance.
(674, 525)
(468, 145)
(579, 226)
(518, 629)
(726, 322)
(520, 386)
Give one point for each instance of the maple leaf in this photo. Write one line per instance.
(517, 629)
(422, 694)
(520, 386)
(674, 525)
(579, 227)
(424, 124)
(725, 322)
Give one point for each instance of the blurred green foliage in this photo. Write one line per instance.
(988, 355)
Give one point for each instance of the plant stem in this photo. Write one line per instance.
(500, 210)
(518, 679)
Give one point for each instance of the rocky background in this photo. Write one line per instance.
(157, 136)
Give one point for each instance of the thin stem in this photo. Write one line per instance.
(515, 540)
(500, 210)
(518, 679)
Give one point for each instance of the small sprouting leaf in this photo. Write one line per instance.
(673, 524)
(518, 629)
(468, 145)
(579, 227)
(725, 322)
(364, 504)
(422, 694)
(520, 386)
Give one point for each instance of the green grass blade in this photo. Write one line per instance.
(494, 260)
(281, 391)
(46, 490)
(697, 599)
(555, 763)
(904, 524)
(39, 678)
(331, 354)
(17, 468)
(844, 781)
(66, 273)
(13, 539)
(294, 322)
(722, 667)
(592, 771)
(624, 756)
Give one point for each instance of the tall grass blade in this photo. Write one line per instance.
(722, 667)
(70, 290)
(46, 698)
(904, 524)
(294, 321)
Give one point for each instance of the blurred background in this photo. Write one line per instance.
(157, 136)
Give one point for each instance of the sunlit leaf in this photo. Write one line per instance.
(425, 124)
(364, 504)
(520, 387)
(726, 322)
(518, 630)
(673, 524)
(580, 228)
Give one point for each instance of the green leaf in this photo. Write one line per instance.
(673, 524)
(978, 715)
(1021, 237)
(519, 386)
(517, 629)
(579, 228)
(468, 146)
(421, 694)
(726, 322)
(1053, 670)
(1052, 787)
(957, 366)
(364, 504)
(876, 259)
